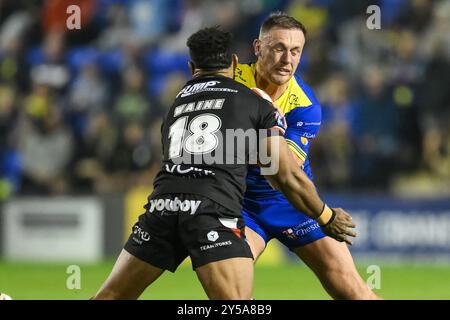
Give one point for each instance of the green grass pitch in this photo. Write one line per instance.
(290, 281)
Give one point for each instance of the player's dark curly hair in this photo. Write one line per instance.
(210, 48)
(282, 20)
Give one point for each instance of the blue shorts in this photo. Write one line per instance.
(277, 218)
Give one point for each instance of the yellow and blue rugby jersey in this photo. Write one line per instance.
(303, 116)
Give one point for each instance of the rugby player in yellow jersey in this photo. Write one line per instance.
(266, 211)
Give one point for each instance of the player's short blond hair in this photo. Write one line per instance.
(281, 20)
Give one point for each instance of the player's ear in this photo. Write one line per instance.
(257, 47)
(191, 67)
(234, 61)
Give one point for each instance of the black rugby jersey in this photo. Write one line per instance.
(208, 139)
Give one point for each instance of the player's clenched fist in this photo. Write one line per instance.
(339, 226)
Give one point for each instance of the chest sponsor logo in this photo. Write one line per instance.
(301, 124)
(308, 135)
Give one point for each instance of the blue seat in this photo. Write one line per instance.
(77, 57)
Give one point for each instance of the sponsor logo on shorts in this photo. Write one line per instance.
(290, 233)
(212, 236)
(216, 245)
(174, 205)
(301, 230)
(142, 236)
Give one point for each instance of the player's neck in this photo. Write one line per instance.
(273, 90)
(202, 73)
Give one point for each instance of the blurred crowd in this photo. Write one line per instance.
(80, 110)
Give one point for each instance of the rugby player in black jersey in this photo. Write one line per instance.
(195, 209)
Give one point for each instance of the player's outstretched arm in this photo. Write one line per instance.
(301, 192)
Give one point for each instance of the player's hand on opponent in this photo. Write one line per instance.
(340, 227)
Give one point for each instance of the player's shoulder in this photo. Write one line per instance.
(213, 83)
(302, 89)
(245, 74)
(244, 69)
(298, 96)
(304, 106)
(246, 97)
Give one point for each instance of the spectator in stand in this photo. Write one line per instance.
(45, 145)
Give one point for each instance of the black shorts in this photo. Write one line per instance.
(179, 225)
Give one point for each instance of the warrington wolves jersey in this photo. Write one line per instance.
(303, 116)
(199, 139)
